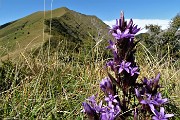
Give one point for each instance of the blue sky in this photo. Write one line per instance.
(107, 10)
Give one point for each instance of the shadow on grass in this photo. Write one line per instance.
(172, 108)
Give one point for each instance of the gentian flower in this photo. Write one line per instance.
(132, 28)
(115, 27)
(152, 84)
(114, 110)
(159, 99)
(112, 46)
(149, 101)
(147, 82)
(121, 30)
(138, 95)
(111, 111)
(129, 26)
(124, 66)
(111, 64)
(135, 29)
(156, 81)
(92, 99)
(161, 115)
(107, 115)
(120, 35)
(90, 111)
(111, 99)
(94, 105)
(148, 85)
(134, 70)
(106, 85)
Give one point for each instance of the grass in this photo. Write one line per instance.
(55, 88)
(50, 89)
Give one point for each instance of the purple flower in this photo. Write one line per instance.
(124, 66)
(120, 35)
(138, 95)
(110, 64)
(134, 71)
(112, 46)
(147, 82)
(135, 29)
(115, 27)
(148, 85)
(161, 115)
(94, 104)
(121, 30)
(159, 99)
(130, 24)
(149, 101)
(111, 111)
(92, 99)
(99, 107)
(156, 81)
(105, 116)
(91, 113)
(152, 84)
(114, 110)
(132, 27)
(106, 85)
(111, 99)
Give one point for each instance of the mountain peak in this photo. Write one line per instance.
(61, 9)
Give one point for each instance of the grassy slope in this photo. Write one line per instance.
(26, 32)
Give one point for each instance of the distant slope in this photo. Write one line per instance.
(78, 29)
(27, 33)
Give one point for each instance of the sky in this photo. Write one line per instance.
(142, 11)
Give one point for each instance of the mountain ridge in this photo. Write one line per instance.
(28, 32)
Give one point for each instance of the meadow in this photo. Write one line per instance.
(54, 87)
(52, 83)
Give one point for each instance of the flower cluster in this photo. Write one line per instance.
(97, 111)
(124, 96)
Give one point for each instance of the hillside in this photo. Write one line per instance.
(28, 33)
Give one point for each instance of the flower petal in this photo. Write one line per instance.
(161, 101)
(118, 31)
(120, 70)
(127, 70)
(155, 118)
(143, 102)
(126, 31)
(162, 111)
(151, 107)
(168, 115)
(88, 109)
(114, 34)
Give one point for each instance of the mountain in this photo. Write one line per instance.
(60, 24)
